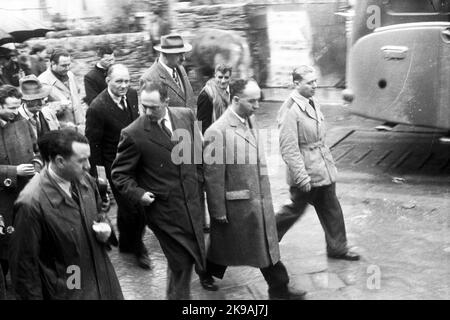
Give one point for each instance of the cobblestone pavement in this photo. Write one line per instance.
(401, 231)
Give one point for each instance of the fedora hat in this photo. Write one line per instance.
(32, 88)
(173, 43)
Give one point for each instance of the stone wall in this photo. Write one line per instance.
(132, 49)
(325, 44)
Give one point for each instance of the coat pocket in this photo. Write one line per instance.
(238, 195)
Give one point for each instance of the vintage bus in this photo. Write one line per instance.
(398, 64)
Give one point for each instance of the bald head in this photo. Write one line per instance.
(118, 79)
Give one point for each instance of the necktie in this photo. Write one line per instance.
(175, 77)
(123, 104)
(311, 103)
(165, 128)
(74, 193)
(37, 123)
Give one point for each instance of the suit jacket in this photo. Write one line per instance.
(177, 98)
(147, 160)
(104, 121)
(53, 235)
(237, 187)
(94, 83)
(75, 113)
(47, 117)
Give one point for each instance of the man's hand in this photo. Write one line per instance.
(147, 199)
(221, 220)
(305, 188)
(102, 231)
(26, 169)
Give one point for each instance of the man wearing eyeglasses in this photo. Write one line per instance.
(34, 109)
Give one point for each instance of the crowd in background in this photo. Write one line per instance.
(54, 199)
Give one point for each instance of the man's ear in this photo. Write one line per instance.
(59, 161)
(235, 100)
(107, 79)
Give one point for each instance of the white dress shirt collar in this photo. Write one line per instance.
(117, 99)
(61, 182)
(168, 123)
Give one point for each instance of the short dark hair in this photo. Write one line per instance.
(57, 53)
(105, 49)
(59, 142)
(150, 86)
(37, 48)
(300, 72)
(224, 68)
(7, 91)
(237, 86)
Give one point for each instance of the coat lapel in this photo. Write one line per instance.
(54, 192)
(114, 109)
(306, 107)
(240, 129)
(167, 78)
(58, 84)
(156, 134)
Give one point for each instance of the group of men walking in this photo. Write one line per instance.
(161, 163)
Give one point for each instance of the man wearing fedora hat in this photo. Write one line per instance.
(168, 69)
(33, 109)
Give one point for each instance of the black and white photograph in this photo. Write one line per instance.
(225, 153)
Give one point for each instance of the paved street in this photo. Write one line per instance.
(401, 229)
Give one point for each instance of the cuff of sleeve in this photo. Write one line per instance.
(304, 182)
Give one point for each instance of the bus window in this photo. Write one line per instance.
(417, 6)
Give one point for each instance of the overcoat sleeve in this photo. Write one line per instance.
(290, 150)
(24, 253)
(204, 110)
(91, 89)
(214, 170)
(94, 132)
(123, 169)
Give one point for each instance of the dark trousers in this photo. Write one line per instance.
(276, 275)
(131, 224)
(328, 210)
(179, 284)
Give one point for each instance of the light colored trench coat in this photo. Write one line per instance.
(302, 143)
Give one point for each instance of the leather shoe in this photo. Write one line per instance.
(349, 256)
(288, 294)
(208, 283)
(143, 261)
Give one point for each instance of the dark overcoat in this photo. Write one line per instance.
(177, 98)
(94, 83)
(237, 187)
(53, 237)
(17, 146)
(104, 121)
(147, 160)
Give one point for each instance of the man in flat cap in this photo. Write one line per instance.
(168, 69)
